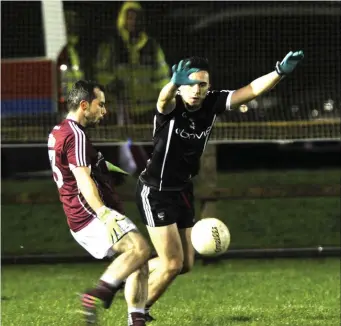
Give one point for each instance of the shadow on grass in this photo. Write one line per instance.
(239, 318)
(222, 320)
(4, 298)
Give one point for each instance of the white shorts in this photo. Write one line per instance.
(94, 237)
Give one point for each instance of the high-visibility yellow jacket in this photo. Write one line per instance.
(70, 69)
(131, 72)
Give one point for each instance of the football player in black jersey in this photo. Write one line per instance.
(185, 114)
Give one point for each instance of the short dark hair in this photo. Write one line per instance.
(198, 62)
(82, 90)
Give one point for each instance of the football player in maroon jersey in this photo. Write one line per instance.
(93, 213)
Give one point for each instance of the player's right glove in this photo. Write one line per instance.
(110, 217)
(181, 74)
(289, 63)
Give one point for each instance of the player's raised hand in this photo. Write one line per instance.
(289, 63)
(110, 217)
(181, 74)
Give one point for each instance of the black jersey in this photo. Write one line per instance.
(179, 139)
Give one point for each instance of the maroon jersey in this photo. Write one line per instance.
(68, 148)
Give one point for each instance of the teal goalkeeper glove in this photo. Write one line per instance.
(181, 74)
(289, 63)
(110, 217)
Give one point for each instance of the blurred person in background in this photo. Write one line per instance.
(132, 67)
(70, 64)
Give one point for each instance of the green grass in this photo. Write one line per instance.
(278, 178)
(234, 180)
(236, 292)
(273, 223)
(40, 229)
(267, 223)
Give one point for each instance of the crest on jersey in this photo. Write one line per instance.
(161, 215)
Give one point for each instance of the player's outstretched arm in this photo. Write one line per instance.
(166, 101)
(265, 83)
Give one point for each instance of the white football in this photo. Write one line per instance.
(210, 237)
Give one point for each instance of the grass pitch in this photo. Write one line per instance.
(267, 223)
(235, 292)
(273, 223)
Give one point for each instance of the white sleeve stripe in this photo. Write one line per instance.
(79, 144)
(82, 147)
(228, 101)
(154, 126)
(76, 142)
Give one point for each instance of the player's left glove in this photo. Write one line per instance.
(110, 218)
(289, 63)
(181, 74)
